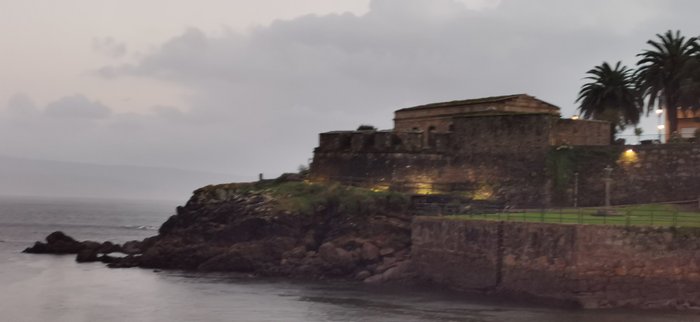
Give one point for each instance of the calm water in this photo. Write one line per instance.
(55, 288)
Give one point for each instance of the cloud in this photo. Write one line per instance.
(77, 106)
(256, 100)
(20, 104)
(109, 46)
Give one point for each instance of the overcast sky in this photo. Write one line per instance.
(244, 86)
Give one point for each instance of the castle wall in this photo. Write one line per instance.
(440, 163)
(521, 160)
(592, 265)
(509, 135)
(641, 173)
(580, 132)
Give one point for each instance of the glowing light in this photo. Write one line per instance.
(424, 188)
(575, 117)
(628, 157)
(659, 112)
(484, 192)
(380, 188)
(660, 126)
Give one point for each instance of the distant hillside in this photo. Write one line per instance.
(26, 177)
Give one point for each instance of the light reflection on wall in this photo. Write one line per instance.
(627, 158)
(382, 187)
(483, 192)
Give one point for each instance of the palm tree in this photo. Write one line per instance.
(667, 75)
(611, 95)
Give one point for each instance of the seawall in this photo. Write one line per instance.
(595, 266)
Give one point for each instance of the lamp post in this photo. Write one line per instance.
(608, 180)
(660, 126)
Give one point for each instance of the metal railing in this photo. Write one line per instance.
(639, 215)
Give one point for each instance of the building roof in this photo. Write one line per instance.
(478, 101)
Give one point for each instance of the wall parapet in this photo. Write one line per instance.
(383, 141)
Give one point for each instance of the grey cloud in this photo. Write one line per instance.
(109, 46)
(168, 112)
(260, 98)
(77, 106)
(20, 104)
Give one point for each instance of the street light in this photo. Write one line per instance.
(661, 129)
(659, 125)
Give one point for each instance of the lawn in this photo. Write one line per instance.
(637, 215)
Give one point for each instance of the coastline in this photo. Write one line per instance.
(291, 229)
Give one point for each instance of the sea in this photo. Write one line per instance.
(56, 288)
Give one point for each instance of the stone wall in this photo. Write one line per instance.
(594, 266)
(580, 132)
(641, 174)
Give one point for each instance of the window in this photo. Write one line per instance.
(688, 132)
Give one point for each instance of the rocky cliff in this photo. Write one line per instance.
(274, 228)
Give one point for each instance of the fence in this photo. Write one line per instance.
(669, 215)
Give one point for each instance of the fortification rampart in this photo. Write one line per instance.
(533, 177)
(640, 174)
(595, 266)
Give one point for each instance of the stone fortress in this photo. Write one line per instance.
(514, 150)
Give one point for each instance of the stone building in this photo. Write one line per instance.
(493, 148)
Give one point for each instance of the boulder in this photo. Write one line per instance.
(336, 257)
(132, 247)
(88, 254)
(369, 252)
(56, 243)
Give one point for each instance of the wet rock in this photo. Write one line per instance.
(132, 247)
(363, 275)
(87, 255)
(369, 252)
(56, 243)
(399, 271)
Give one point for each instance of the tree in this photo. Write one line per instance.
(611, 95)
(668, 75)
(638, 132)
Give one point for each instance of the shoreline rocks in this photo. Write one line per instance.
(278, 229)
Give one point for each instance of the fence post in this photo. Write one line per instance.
(561, 215)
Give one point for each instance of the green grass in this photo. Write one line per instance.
(664, 215)
(307, 198)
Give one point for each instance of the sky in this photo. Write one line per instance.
(244, 87)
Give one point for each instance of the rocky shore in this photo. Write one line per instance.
(281, 228)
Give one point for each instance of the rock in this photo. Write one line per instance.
(109, 247)
(297, 253)
(327, 251)
(362, 275)
(56, 243)
(125, 262)
(374, 279)
(88, 254)
(336, 257)
(399, 271)
(369, 252)
(132, 247)
(256, 229)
